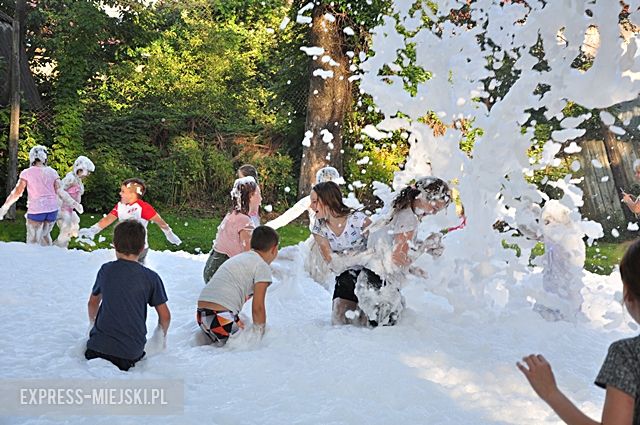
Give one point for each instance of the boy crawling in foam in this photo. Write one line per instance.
(244, 276)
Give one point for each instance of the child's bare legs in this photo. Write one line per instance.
(34, 231)
(346, 312)
(47, 227)
(345, 309)
(69, 224)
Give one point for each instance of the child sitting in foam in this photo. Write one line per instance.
(43, 188)
(118, 302)
(68, 221)
(131, 206)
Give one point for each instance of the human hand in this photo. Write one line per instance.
(419, 272)
(3, 211)
(433, 245)
(171, 237)
(241, 324)
(539, 374)
(626, 198)
(157, 342)
(161, 335)
(337, 264)
(341, 262)
(78, 207)
(258, 329)
(89, 233)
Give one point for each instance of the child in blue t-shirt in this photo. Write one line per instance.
(119, 298)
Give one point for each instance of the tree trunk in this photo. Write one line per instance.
(14, 125)
(328, 101)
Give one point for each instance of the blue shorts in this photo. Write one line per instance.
(49, 216)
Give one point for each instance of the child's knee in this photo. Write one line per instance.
(345, 312)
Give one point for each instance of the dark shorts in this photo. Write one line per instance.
(214, 262)
(122, 364)
(217, 325)
(346, 283)
(42, 217)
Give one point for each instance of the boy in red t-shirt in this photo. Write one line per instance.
(131, 206)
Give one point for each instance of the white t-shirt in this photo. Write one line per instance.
(351, 238)
(382, 236)
(404, 221)
(233, 283)
(137, 210)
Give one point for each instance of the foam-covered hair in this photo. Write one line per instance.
(237, 185)
(242, 190)
(328, 174)
(636, 164)
(431, 189)
(554, 212)
(83, 163)
(38, 153)
(434, 189)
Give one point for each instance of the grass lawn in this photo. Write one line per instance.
(602, 257)
(196, 233)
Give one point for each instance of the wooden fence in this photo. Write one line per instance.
(607, 167)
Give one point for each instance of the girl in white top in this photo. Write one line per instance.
(326, 174)
(339, 230)
(314, 264)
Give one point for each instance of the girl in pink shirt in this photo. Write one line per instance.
(234, 233)
(43, 188)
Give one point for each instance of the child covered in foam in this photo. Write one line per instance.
(393, 245)
(562, 262)
(248, 170)
(43, 189)
(68, 220)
